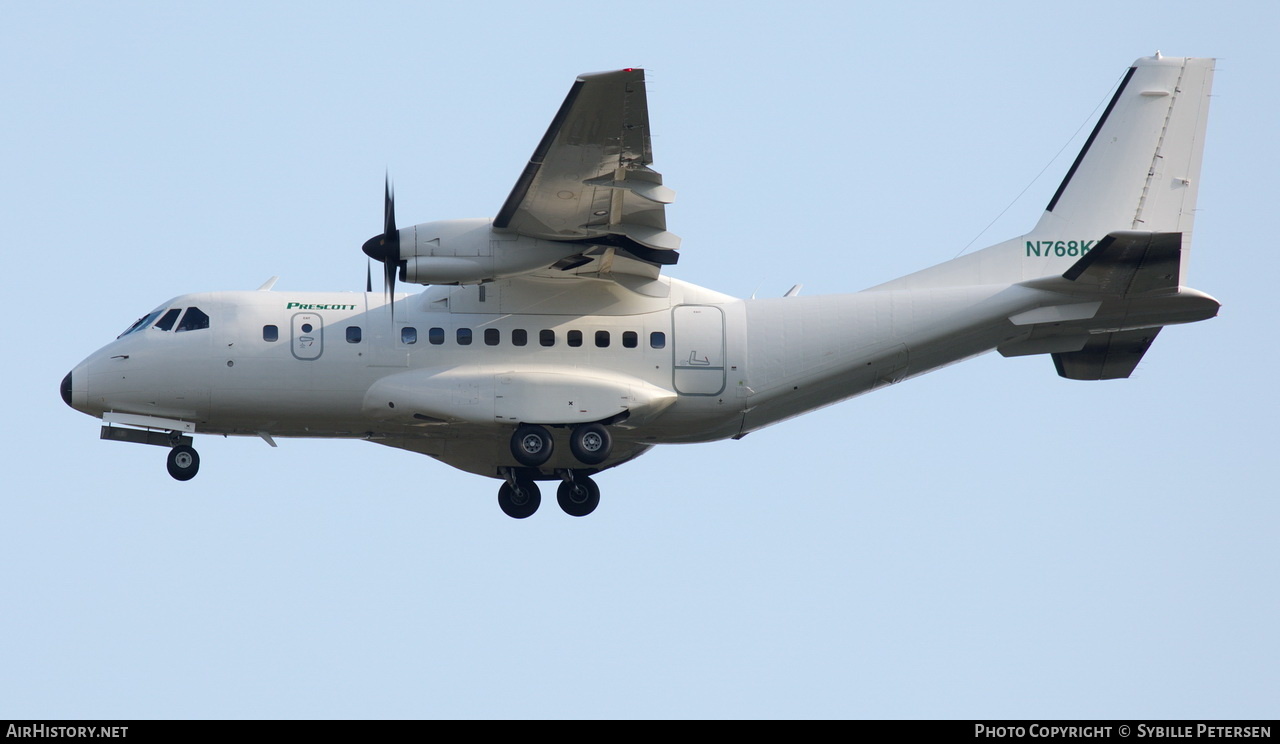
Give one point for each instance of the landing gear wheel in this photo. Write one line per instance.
(183, 463)
(591, 443)
(520, 501)
(578, 497)
(531, 445)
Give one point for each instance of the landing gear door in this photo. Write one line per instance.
(308, 336)
(698, 349)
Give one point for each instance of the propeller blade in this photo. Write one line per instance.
(368, 275)
(386, 247)
(389, 282)
(389, 208)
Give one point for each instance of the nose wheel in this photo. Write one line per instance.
(183, 463)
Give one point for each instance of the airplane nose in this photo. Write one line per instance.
(66, 389)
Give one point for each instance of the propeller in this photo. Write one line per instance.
(386, 247)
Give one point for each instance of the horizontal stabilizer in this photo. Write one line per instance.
(1109, 356)
(1130, 262)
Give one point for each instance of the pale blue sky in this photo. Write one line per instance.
(986, 541)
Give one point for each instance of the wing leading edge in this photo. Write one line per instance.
(589, 179)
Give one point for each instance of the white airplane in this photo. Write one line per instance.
(549, 345)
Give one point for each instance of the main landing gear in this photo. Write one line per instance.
(531, 446)
(590, 443)
(578, 495)
(519, 497)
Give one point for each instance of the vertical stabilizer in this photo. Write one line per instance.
(1138, 170)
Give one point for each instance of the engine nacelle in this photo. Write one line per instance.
(470, 252)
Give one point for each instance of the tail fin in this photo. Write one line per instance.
(1139, 170)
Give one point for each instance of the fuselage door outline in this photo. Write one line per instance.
(697, 347)
(307, 340)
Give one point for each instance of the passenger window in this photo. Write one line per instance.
(602, 339)
(353, 334)
(575, 338)
(547, 338)
(270, 333)
(464, 337)
(436, 336)
(492, 336)
(630, 339)
(658, 340)
(193, 320)
(166, 323)
(519, 337)
(409, 335)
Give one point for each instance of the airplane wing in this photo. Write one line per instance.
(589, 179)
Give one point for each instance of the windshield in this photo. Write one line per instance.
(143, 322)
(194, 320)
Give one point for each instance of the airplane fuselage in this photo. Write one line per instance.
(458, 366)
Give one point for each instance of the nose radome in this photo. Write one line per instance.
(66, 389)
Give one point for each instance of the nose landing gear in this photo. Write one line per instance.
(183, 463)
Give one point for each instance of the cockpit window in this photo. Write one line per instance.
(143, 322)
(193, 320)
(168, 319)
